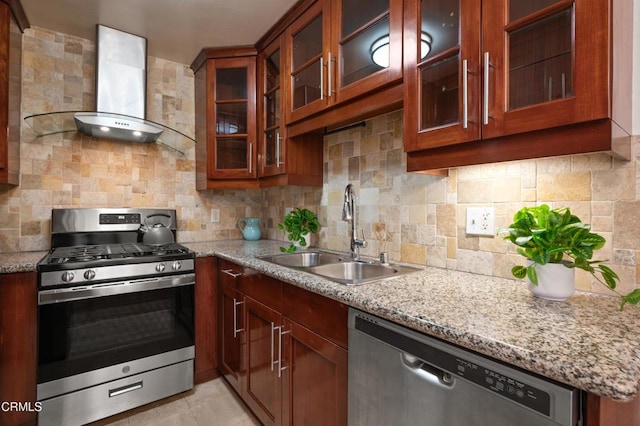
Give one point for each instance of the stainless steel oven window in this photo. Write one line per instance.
(86, 334)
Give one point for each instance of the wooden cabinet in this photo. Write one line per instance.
(282, 160)
(12, 23)
(225, 85)
(329, 51)
(493, 81)
(206, 362)
(18, 335)
(242, 143)
(283, 349)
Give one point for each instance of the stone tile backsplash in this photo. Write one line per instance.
(416, 218)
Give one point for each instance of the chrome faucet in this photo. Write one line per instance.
(349, 214)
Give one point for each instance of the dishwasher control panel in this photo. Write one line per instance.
(506, 386)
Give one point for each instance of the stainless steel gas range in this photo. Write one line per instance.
(115, 314)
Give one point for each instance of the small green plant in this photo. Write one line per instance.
(544, 235)
(298, 223)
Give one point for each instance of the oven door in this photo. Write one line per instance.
(88, 328)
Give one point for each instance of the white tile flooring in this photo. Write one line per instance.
(208, 404)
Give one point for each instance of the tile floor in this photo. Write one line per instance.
(208, 404)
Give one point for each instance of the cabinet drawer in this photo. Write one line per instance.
(229, 273)
(326, 317)
(262, 288)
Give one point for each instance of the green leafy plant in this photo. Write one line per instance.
(544, 235)
(298, 223)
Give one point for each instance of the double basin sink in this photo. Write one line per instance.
(338, 268)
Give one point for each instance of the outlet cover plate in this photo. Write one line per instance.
(481, 221)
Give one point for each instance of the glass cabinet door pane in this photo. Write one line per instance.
(519, 9)
(439, 93)
(357, 13)
(231, 153)
(272, 108)
(358, 53)
(272, 66)
(541, 61)
(231, 83)
(440, 22)
(231, 118)
(271, 141)
(307, 43)
(306, 85)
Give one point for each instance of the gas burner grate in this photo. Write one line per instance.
(91, 253)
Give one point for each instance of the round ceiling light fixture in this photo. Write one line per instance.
(380, 49)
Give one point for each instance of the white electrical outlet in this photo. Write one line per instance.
(481, 221)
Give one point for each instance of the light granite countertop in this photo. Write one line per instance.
(585, 342)
(26, 261)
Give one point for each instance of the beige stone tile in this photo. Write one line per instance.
(413, 253)
(446, 223)
(626, 226)
(614, 185)
(564, 187)
(475, 192)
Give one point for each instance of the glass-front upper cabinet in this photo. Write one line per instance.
(272, 129)
(341, 49)
(544, 64)
(366, 49)
(234, 111)
(478, 70)
(442, 41)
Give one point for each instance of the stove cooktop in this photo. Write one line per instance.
(92, 253)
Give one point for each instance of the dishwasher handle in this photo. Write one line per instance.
(426, 371)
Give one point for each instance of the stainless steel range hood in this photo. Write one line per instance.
(121, 67)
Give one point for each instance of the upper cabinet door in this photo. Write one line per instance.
(366, 47)
(307, 49)
(232, 141)
(272, 129)
(442, 73)
(543, 64)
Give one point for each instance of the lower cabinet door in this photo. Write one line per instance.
(315, 378)
(232, 335)
(262, 384)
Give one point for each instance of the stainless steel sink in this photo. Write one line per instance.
(303, 260)
(355, 272)
(337, 268)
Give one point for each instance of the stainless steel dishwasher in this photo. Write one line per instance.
(398, 376)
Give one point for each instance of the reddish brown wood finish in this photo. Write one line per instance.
(592, 136)
(206, 362)
(231, 343)
(262, 390)
(324, 316)
(605, 412)
(571, 125)
(313, 348)
(316, 379)
(18, 354)
(334, 92)
(12, 23)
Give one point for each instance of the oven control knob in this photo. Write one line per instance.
(176, 265)
(89, 274)
(160, 267)
(67, 276)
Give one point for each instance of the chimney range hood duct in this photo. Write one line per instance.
(121, 67)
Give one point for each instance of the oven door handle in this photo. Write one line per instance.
(61, 295)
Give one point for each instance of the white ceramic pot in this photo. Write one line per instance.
(555, 282)
(307, 239)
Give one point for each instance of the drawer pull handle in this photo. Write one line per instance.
(231, 273)
(124, 389)
(236, 330)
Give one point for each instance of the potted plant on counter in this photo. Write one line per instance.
(555, 242)
(299, 224)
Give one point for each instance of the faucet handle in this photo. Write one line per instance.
(363, 242)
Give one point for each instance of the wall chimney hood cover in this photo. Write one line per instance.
(121, 62)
